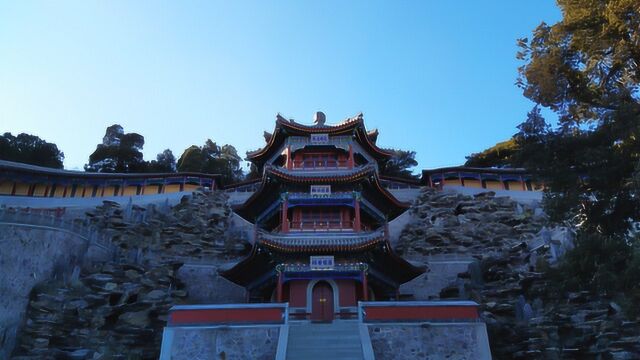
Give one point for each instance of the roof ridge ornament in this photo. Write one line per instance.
(319, 118)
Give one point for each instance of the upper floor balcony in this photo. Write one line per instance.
(322, 226)
(321, 164)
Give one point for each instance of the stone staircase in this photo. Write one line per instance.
(337, 340)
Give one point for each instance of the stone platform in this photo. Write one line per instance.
(383, 330)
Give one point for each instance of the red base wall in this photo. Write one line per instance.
(416, 313)
(225, 316)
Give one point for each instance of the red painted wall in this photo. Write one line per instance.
(347, 292)
(225, 316)
(298, 293)
(398, 313)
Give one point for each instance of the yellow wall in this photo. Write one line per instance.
(172, 188)
(59, 191)
(46, 189)
(130, 190)
(472, 183)
(6, 187)
(493, 184)
(454, 182)
(40, 190)
(108, 190)
(151, 189)
(22, 189)
(514, 185)
(78, 192)
(190, 187)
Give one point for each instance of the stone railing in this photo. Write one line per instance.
(51, 220)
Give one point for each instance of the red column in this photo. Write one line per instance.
(365, 290)
(289, 160)
(356, 209)
(279, 289)
(524, 188)
(285, 219)
(350, 162)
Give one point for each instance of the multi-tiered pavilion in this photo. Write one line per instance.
(321, 221)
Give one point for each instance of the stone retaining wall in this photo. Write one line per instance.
(229, 343)
(433, 341)
(28, 256)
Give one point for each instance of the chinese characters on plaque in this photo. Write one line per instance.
(319, 139)
(321, 262)
(320, 190)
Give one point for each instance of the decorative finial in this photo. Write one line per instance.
(319, 118)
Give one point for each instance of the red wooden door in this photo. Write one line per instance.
(322, 302)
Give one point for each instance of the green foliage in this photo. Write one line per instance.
(596, 263)
(604, 265)
(585, 68)
(401, 165)
(212, 159)
(119, 152)
(30, 149)
(500, 155)
(165, 162)
(253, 172)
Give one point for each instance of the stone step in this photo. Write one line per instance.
(338, 340)
(324, 355)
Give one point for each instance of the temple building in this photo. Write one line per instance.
(321, 220)
(17, 179)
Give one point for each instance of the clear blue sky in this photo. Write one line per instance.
(436, 77)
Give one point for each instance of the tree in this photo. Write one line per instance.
(30, 149)
(400, 165)
(500, 155)
(164, 162)
(585, 68)
(212, 159)
(119, 152)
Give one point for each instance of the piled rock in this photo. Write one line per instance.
(525, 319)
(118, 311)
(481, 226)
(195, 229)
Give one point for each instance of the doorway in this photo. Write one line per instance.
(322, 302)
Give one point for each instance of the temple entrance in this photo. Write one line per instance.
(322, 302)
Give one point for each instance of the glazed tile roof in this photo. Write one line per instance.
(333, 175)
(347, 126)
(321, 241)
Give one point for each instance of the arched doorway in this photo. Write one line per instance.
(322, 302)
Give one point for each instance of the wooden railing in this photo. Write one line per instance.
(323, 226)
